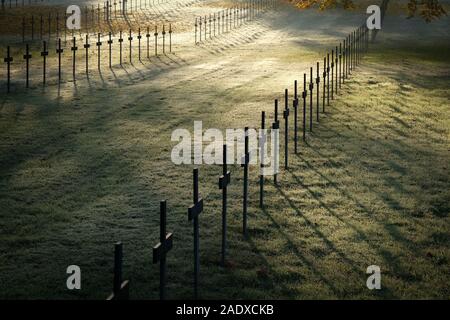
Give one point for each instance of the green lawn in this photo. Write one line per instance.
(370, 186)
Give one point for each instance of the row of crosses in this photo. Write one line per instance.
(87, 45)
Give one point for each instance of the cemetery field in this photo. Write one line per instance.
(84, 165)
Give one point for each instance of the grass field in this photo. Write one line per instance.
(83, 167)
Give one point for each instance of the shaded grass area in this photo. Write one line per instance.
(371, 186)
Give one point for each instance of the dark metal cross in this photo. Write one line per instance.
(170, 37)
(295, 103)
(311, 88)
(218, 23)
(336, 61)
(246, 159)
(27, 56)
(357, 46)
(44, 55)
(304, 95)
(193, 213)
(275, 126)
(164, 38)
(120, 46)
(210, 26)
(156, 40)
(346, 45)
(130, 39)
(110, 42)
(345, 59)
(139, 44)
(224, 181)
(340, 65)
(162, 248)
(324, 76)
(74, 49)
(328, 79)
(87, 46)
(332, 74)
(351, 53)
(349, 56)
(200, 33)
(120, 287)
(59, 51)
(8, 61)
(318, 89)
(262, 142)
(286, 129)
(195, 24)
(148, 42)
(98, 44)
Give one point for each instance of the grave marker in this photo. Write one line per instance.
(218, 23)
(262, 144)
(344, 60)
(120, 288)
(224, 181)
(324, 76)
(139, 44)
(120, 46)
(275, 126)
(340, 65)
(304, 95)
(99, 45)
(336, 61)
(164, 38)
(130, 39)
(110, 42)
(59, 51)
(170, 38)
(351, 54)
(87, 46)
(200, 33)
(74, 50)
(311, 88)
(193, 213)
(44, 55)
(318, 89)
(328, 79)
(206, 26)
(332, 74)
(195, 26)
(148, 42)
(295, 104)
(162, 248)
(286, 128)
(246, 159)
(156, 40)
(210, 27)
(8, 61)
(27, 56)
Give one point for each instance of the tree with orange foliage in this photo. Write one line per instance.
(429, 10)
